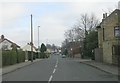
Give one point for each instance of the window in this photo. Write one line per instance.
(103, 34)
(116, 50)
(5, 47)
(117, 31)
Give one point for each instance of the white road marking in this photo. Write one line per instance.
(54, 70)
(55, 65)
(57, 62)
(50, 78)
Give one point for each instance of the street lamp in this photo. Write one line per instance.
(38, 41)
(31, 43)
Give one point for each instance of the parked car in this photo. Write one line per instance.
(63, 56)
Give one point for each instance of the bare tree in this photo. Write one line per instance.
(69, 35)
(78, 32)
(88, 22)
(93, 22)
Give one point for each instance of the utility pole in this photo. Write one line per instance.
(38, 42)
(31, 40)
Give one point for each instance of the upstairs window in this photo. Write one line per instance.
(103, 34)
(117, 31)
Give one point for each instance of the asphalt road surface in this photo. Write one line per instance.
(57, 68)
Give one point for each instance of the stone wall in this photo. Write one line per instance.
(99, 54)
(107, 52)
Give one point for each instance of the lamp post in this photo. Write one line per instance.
(38, 42)
(31, 43)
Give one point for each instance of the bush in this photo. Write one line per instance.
(47, 55)
(44, 55)
(10, 57)
(6, 58)
(21, 56)
(13, 58)
(34, 55)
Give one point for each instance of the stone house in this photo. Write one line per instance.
(109, 37)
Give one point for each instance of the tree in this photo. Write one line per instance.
(88, 22)
(43, 48)
(91, 43)
(69, 35)
(65, 52)
(80, 31)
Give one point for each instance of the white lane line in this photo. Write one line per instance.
(57, 62)
(50, 78)
(55, 65)
(54, 70)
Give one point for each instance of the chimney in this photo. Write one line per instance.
(104, 16)
(2, 37)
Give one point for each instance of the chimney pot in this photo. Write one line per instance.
(103, 16)
(2, 36)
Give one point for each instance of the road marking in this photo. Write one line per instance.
(54, 70)
(50, 78)
(57, 62)
(55, 65)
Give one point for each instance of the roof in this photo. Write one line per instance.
(28, 48)
(115, 11)
(1, 40)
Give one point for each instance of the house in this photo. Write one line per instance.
(74, 49)
(27, 50)
(109, 37)
(6, 44)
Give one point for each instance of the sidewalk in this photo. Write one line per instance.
(102, 66)
(11, 68)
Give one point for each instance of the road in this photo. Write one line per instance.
(56, 68)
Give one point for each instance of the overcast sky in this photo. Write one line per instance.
(54, 18)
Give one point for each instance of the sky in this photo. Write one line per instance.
(53, 16)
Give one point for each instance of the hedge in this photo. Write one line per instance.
(44, 55)
(10, 57)
(34, 55)
(21, 56)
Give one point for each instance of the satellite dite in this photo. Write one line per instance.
(119, 5)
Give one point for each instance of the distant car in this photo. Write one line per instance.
(63, 56)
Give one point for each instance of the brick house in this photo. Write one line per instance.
(109, 37)
(74, 49)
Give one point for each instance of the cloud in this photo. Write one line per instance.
(51, 28)
(52, 23)
(9, 13)
(58, 0)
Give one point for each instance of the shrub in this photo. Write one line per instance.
(21, 56)
(10, 57)
(29, 55)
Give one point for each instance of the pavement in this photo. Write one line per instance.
(12, 68)
(112, 69)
